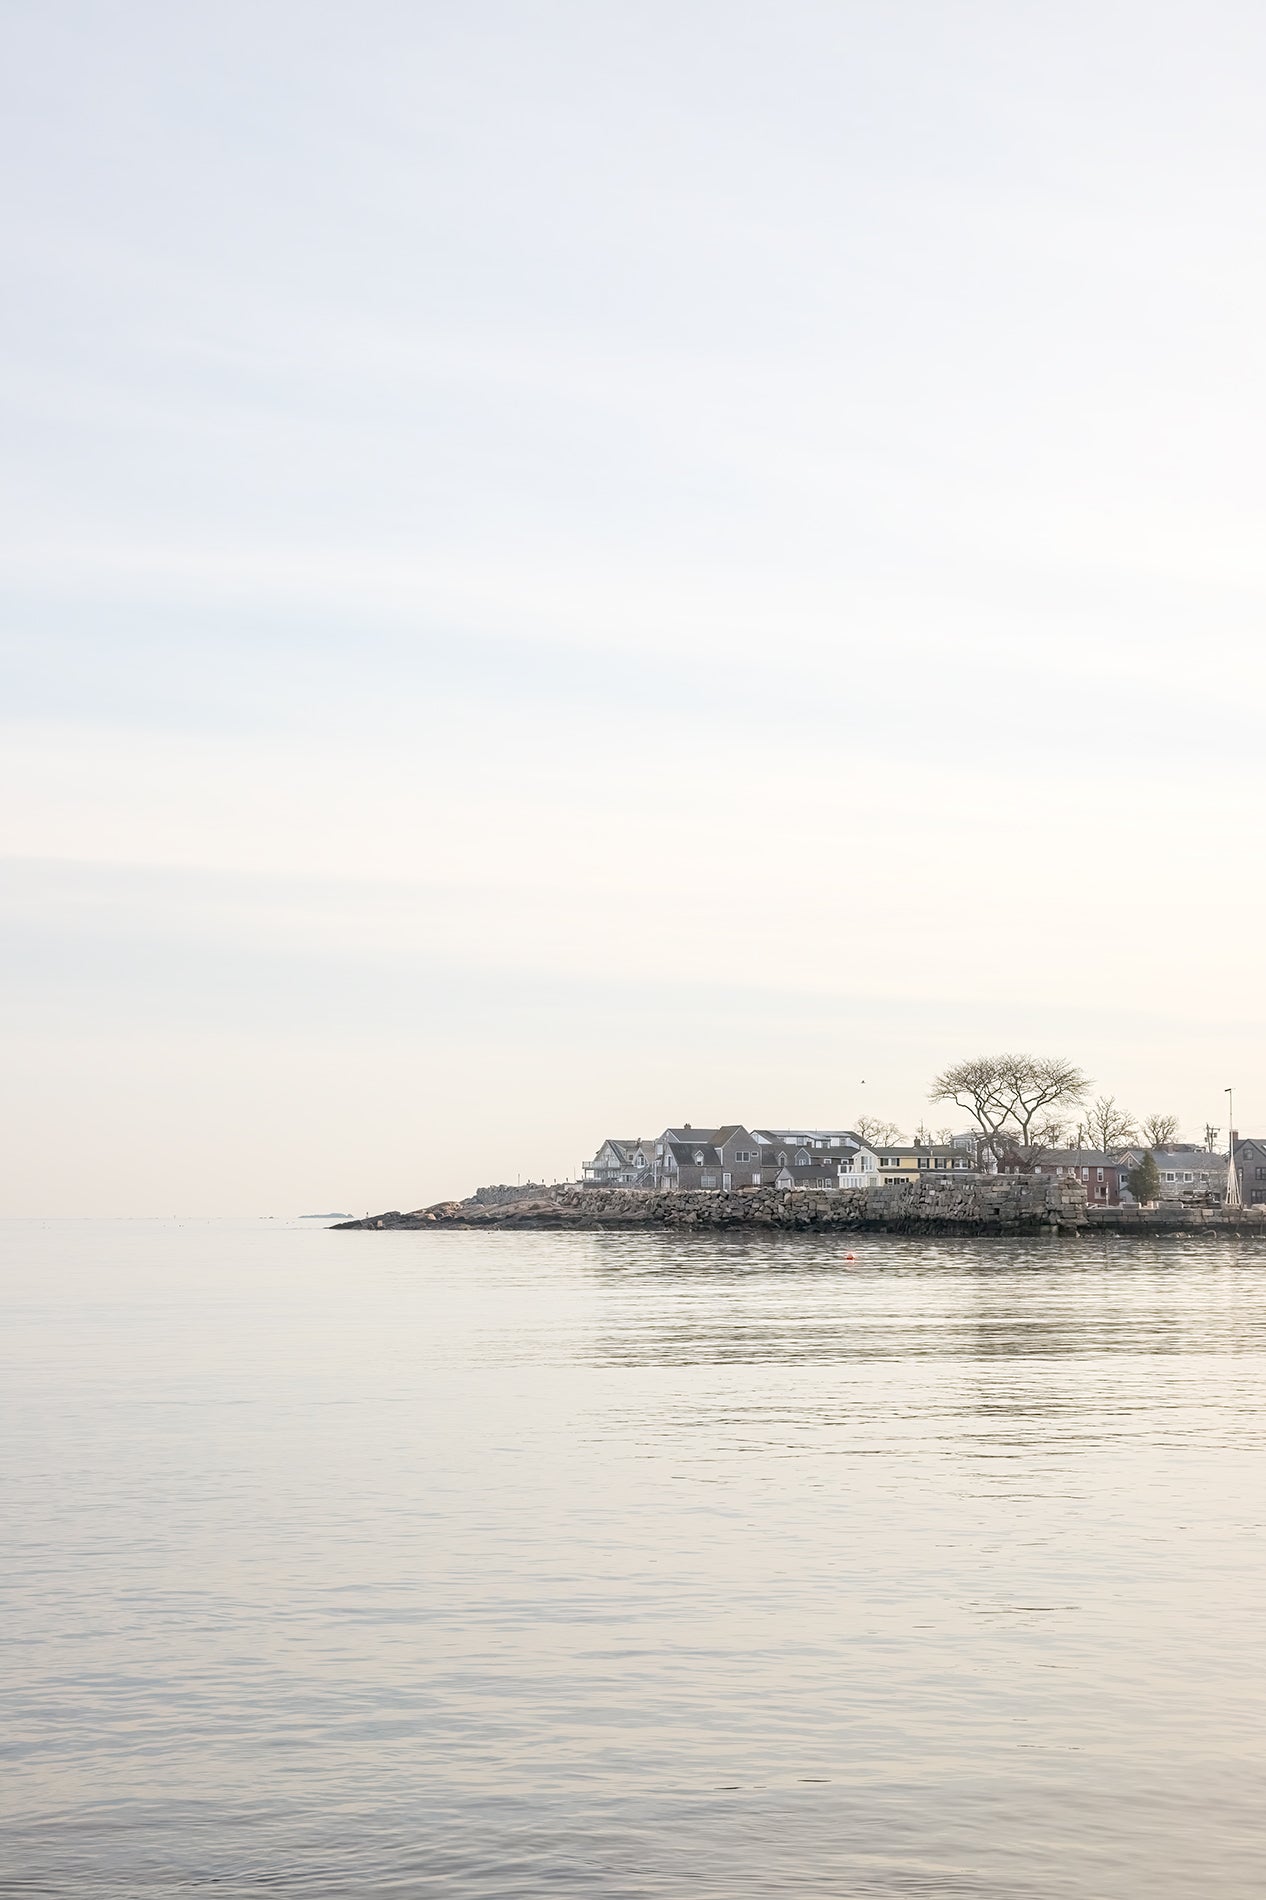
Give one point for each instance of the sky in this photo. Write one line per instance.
(570, 568)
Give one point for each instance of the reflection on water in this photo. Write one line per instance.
(624, 1565)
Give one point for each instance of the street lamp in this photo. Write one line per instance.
(1233, 1198)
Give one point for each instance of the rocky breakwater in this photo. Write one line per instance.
(1019, 1204)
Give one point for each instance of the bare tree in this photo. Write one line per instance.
(1158, 1130)
(1014, 1157)
(874, 1132)
(1108, 1125)
(925, 1137)
(1010, 1097)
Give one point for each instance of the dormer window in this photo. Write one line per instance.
(802, 1158)
(782, 1161)
(698, 1157)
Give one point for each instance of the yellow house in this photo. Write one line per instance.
(917, 1164)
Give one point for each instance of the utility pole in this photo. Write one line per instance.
(1233, 1196)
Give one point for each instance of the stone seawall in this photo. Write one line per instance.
(1171, 1219)
(1023, 1204)
(1017, 1204)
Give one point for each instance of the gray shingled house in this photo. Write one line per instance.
(621, 1162)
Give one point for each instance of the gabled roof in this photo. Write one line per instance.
(625, 1146)
(684, 1152)
(1184, 1157)
(1075, 1158)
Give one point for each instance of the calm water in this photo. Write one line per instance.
(466, 1565)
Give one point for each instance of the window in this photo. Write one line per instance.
(1261, 1174)
(835, 1141)
(1169, 1177)
(1098, 1174)
(884, 1161)
(698, 1157)
(1085, 1174)
(782, 1161)
(756, 1178)
(802, 1158)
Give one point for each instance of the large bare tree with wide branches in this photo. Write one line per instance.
(1013, 1099)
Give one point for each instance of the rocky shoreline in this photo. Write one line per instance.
(1015, 1205)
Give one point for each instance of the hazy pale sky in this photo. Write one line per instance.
(569, 567)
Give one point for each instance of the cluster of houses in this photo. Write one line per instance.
(734, 1157)
(738, 1157)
